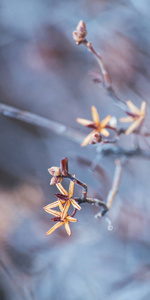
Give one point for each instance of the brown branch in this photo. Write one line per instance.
(80, 183)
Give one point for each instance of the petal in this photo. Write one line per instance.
(126, 119)
(95, 115)
(105, 121)
(104, 132)
(71, 188)
(75, 204)
(61, 189)
(133, 108)
(54, 227)
(53, 212)
(134, 126)
(143, 108)
(65, 210)
(61, 204)
(87, 139)
(53, 204)
(67, 227)
(70, 219)
(83, 122)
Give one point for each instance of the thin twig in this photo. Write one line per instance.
(115, 184)
(80, 183)
(106, 78)
(114, 189)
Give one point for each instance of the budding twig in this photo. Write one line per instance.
(79, 36)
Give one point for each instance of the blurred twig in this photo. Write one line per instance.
(114, 189)
(28, 117)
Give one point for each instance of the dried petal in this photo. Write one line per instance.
(61, 189)
(75, 204)
(95, 115)
(53, 204)
(126, 119)
(105, 132)
(53, 212)
(133, 108)
(87, 139)
(61, 205)
(65, 210)
(67, 227)
(54, 227)
(84, 122)
(134, 125)
(105, 121)
(143, 108)
(71, 188)
(70, 219)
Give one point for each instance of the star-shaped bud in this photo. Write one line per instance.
(64, 198)
(136, 116)
(67, 196)
(58, 217)
(96, 125)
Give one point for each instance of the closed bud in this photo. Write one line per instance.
(81, 29)
(64, 166)
(80, 33)
(54, 171)
(55, 180)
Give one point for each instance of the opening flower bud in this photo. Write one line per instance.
(54, 171)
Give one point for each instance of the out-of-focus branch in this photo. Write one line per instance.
(105, 206)
(71, 134)
(37, 120)
(116, 151)
(106, 78)
(114, 189)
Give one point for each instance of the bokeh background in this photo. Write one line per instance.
(44, 72)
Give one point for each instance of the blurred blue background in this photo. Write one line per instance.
(44, 72)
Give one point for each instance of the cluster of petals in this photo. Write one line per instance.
(136, 116)
(64, 200)
(96, 125)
